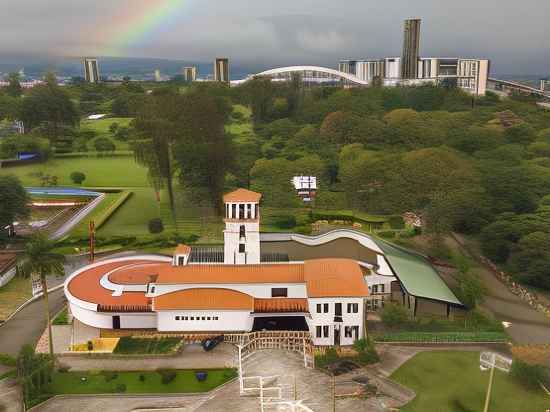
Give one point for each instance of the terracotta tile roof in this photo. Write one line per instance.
(204, 299)
(334, 278)
(242, 196)
(182, 250)
(280, 305)
(86, 287)
(134, 274)
(209, 274)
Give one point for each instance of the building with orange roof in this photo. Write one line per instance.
(237, 292)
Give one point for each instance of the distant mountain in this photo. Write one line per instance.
(137, 68)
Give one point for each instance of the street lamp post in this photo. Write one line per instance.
(491, 360)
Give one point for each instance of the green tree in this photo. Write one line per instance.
(14, 88)
(78, 177)
(39, 259)
(394, 315)
(14, 200)
(104, 145)
(50, 106)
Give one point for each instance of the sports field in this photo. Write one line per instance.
(453, 382)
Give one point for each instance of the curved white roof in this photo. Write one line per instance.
(291, 69)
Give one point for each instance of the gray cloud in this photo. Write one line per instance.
(515, 36)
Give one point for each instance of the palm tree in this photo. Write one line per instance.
(40, 260)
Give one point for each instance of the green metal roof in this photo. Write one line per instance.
(416, 274)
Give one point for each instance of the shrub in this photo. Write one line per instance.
(526, 374)
(122, 133)
(396, 222)
(78, 177)
(142, 377)
(63, 369)
(386, 234)
(284, 221)
(7, 360)
(90, 345)
(120, 388)
(471, 290)
(102, 144)
(110, 376)
(167, 376)
(113, 127)
(394, 315)
(366, 351)
(155, 225)
(87, 134)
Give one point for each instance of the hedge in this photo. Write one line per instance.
(441, 337)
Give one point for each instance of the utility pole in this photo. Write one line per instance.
(488, 396)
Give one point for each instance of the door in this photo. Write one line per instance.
(337, 335)
(116, 322)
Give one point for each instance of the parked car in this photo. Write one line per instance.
(210, 343)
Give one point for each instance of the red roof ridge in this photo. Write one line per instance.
(242, 195)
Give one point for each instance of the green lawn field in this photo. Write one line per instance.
(95, 383)
(120, 171)
(133, 216)
(453, 382)
(101, 127)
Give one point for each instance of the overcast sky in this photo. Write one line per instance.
(515, 35)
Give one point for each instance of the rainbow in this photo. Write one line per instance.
(138, 20)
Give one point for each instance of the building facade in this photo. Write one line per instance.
(190, 73)
(91, 70)
(411, 49)
(221, 70)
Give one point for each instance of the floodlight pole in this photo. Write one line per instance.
(488, 396)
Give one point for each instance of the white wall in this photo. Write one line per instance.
(105, 320)
(227, 321)
(7, 276)
(257, 290)
(324, 319)
(138, 321)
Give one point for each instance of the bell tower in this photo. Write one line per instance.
(242, 227)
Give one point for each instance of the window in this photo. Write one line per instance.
(318, 331)
(208, 318)
(325, 307)
(353, 307)
(152, 289)
(241, 248)
(242, 231)
(374, 288)
(318, 308)
(181, 261)
(381, 288)
(192, 318)
(177, 318)
(338, 309)
(186, 318)
(355, 330)
(279, 292)
(325, 331)
(204, 318)
(347, 332)
(215, 318)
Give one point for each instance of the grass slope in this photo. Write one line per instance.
(15, 293)
(99, 171)
(101, 127)
(453, 382)
(94, 383)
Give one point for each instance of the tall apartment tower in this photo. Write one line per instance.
(242, 227)
(158, 77)
(221, 70)
(189, 73)
(91, 69)
(544, 84)
(411, 49)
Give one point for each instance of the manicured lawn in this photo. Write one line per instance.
(93, 383)
(133, 216)
(121, 171)
(101, 127)
(62, 318)
(12, 295)
(453, 382)
(128, 345)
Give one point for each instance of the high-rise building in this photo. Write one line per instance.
(544, 84)
(91, 69)
(221, 70)
(158, 77)
(190, 73)
(411, 49)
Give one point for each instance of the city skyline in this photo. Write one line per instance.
(304, 33)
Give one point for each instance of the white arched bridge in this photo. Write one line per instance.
(309, 74)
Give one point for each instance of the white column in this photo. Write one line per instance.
(253, 211)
